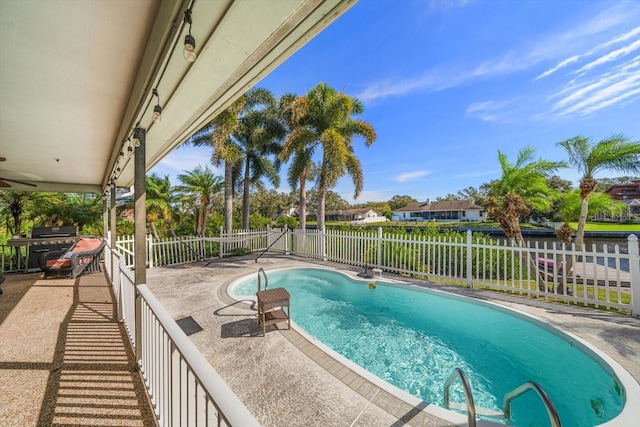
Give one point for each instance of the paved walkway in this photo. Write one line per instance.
(286, 379)
(63, 357)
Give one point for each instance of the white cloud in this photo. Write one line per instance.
(411, 176)
(605, 97)
(562, 64)
(611, 56)
(477, 174)
(490, 111)
(576, 58)
(593, 91)
(365, 196)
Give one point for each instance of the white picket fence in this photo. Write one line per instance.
(602, 277)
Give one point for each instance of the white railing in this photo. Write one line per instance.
(180, 250)
(183, 387)
(596, 277)
(602, 277)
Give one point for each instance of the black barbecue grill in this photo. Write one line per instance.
(45, 239)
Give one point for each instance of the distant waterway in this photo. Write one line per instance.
(599, 242)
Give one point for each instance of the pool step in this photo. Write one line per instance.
(485, 412)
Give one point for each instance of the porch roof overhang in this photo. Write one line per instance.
(77, 76)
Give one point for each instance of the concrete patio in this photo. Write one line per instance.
(64, 358)
(285, 379)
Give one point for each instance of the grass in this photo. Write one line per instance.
(607, 226)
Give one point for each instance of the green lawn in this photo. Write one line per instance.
(606, 226)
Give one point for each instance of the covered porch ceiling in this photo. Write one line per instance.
(76, 76)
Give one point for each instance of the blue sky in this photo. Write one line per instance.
(446, 84)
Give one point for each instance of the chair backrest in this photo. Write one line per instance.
(86, 244)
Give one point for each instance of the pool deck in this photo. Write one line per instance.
(287, 378)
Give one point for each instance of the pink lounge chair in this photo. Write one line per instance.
(84, 255)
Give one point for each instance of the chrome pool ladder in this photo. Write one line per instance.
(532, 385)
(471, 407)
(508, 398)
(266, 282)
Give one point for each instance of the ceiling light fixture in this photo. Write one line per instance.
(157, 110)
(138, 134)
(189, 51)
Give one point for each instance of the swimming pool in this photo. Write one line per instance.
(413, 339)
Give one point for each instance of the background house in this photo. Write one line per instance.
(629, 194)
(357, 215)
(450, 210)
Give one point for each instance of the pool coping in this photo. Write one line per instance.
(386, 396)
(400, 403)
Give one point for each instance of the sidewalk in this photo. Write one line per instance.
(63, 356)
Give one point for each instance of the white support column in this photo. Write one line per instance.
(634, 273)
(115, 269)
(105, 216)
(140, 235)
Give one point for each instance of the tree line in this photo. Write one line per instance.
(253, 137)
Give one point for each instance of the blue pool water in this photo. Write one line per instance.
(414, 338)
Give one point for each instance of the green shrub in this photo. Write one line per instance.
(289, 221)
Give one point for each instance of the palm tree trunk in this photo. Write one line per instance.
(320, 215)
(154, 232)
(245, 197)
(582, 222)
(302, 204)
(321, 226)
(228, 196)
(201, 220)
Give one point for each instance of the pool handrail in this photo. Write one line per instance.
(266, 281)
(471, 407)
(523, 388)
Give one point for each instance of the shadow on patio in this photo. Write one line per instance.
(64, 358)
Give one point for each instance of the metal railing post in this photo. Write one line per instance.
(634, 274)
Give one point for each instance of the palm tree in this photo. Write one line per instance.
(615, 153)
(522, 186)
(13, 205)
(302, 167)
(219, 135)
(258, 136)
(158, 201)
(202, 184)
(571, 207)
(324, 119)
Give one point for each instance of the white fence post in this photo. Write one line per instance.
(634, 272)
(379, 260)
(221, 250)
(150, 250)
(469, 261)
